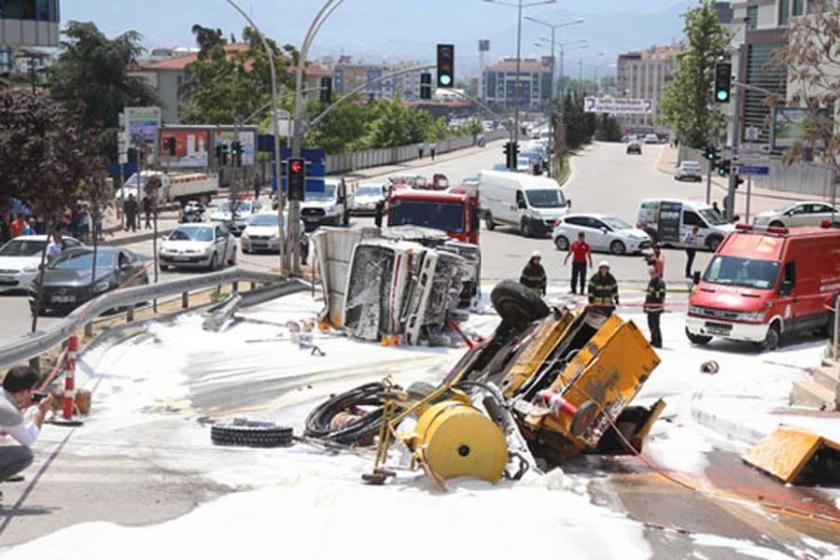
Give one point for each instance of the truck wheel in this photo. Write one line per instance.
(617, 248)
(489, 223)
(561, 243)
(516, 304)
(773, 340)
(698, 339)
(776, 224)
(713, 242)
(251, 434)
(525, 229)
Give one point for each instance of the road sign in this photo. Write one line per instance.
(618, 106)
(141, 124)
(762, 170)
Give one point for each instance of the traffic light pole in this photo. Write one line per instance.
(729, 209)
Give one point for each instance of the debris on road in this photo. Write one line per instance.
(248, 433)
(710, 367)
(797, 456)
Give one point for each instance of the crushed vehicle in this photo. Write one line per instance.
(549, 385)
(385, 285)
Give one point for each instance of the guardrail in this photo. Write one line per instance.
(35, 344)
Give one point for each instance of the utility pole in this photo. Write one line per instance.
(729, 209)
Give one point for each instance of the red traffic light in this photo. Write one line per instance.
(297, 166)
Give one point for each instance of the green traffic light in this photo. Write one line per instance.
(445, 79)
(723, 95)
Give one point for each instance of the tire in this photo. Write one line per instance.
(773, 340)
(214, 263)
(489, 223)
(776, 223)
(516, 304)
(698, 339)
(251, 434)
(164, 268)
(524, 229)
(561, 243)
(714, 242)
(346, 219)
(618, 247)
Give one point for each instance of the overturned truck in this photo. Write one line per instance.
(549, 384)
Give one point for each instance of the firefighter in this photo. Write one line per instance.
(533, 275)
(654, 306)
(603, 289)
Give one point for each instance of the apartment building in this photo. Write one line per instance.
(643, 75)
(499, 82)
(26, 23)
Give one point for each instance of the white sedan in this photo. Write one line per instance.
(603, 233)
(245, 209)
(263, 233)
(207, 246)
(20, 259)
(366, 198)
(799, 214)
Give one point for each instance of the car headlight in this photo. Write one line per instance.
(207, 250)
(331, 210)
(100, 287)
(245, 235)
(695, 310)
(752, 316)
(30, 269)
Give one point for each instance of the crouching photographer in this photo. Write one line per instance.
(18, 396)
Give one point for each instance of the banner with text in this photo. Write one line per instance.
(618, 106)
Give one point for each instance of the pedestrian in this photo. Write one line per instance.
(27, 228)
(130, 209)
(5, 231)
(581, 253)
(603, 290)
(75, 222)
(17, 394)
(257, 187)
(433, 150)
(657, 260)
(379, 211)
(84, 224)
(421, 147)
(690, 241)
(715, 208)
(533, 275)
(55, 246)
(148, 209)
(655, 306)
(17, 226)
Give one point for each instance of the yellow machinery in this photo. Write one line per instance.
(790, 452)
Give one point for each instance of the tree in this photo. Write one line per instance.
(608, 129)
(580, 126)
(686, 101)
(340, 131)
(92, 73)
(207, 38)
(812, 59)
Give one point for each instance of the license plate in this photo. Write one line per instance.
(7, 280)
(718, 329)
(181, 259)
(63, 299)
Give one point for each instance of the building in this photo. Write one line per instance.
(643, 75)
(26, 23)
(499, 82)
(349, 76)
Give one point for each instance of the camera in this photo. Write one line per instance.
(38, 396)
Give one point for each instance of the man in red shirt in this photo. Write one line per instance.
(582, 253)
(17, 227)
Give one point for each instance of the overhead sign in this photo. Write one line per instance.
(618, 106)
(760, 170)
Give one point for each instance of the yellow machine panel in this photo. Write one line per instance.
(787, 451)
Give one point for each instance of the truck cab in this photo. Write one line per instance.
(454, 213)
(331, 207)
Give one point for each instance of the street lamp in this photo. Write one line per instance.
(563, 47)
(554, 27)
(519, 5)
(275, 128)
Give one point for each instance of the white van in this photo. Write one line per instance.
(529, 203)
(667, 221)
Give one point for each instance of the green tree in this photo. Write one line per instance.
(608, 129)
(207, 38)
(686, 102)
(342, 130)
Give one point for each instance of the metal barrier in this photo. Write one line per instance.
(35, 344)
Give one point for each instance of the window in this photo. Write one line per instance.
(752, 17)
(747, 273)
(821, 209)
(579, 222)
(784, 12)
(692, 219)
(798, 7)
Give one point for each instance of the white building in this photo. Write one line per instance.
(643, 75)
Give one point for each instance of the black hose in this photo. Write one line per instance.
(318, 423)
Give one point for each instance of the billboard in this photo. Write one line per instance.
(790, 124)
(247, 137)
(618, 106)
(142, 124)
(191, 148)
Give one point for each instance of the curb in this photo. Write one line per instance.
(728, 429)
(137, 238)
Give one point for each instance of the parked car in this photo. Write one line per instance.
(366, 197)
(633, 147)
(762, 285)
(20, 259)
(73, 280)
(209, 246)
(531, 204)
(263, 233)
(603, 233)
(799, 214)
(651, 139)
(689, 171)
(238, 220)
(667, 221)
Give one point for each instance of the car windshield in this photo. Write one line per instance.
(369, 191)
(445, 216)
(328, 194)
(547, 198)
(22, 248)
(242, 207)
(690, 165)
(264, 220)
(83, 260)
(192, 234)
(748, 273)
(616, 223)
(713, 217)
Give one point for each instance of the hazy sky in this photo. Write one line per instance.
(399, 29)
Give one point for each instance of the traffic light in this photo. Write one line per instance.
(425, 85)
(511, 155)
(221, 155)
(723, 82)
(711, 153)
(326, 89)
(724, 167)
(445, 66)
(236, 153)
(169, 145)
(297, 178)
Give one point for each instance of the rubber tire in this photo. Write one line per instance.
(698, 339)
(773, 340)
(776, 224)
(214, 263)
(524, 230)
(165, 268)
(561, 243)
(251, 436)
(516, 304)
(713, 242)
(488, 222)
(618, 247)
(346, 219)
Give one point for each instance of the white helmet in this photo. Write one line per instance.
(536, 255)
(603, 264)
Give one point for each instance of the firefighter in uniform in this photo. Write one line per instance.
(654, 306)
(603, 289)
(533, 275)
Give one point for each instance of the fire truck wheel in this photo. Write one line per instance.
(516, 304)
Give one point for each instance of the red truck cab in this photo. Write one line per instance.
(454, 213)
(765, 283)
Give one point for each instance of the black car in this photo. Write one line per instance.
(69, 281)
(634, 148)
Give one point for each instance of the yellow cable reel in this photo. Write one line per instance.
(454, 439)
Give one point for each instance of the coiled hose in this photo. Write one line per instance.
(318, 423)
